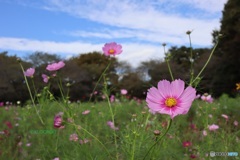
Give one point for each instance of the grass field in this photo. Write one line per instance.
(86, 133)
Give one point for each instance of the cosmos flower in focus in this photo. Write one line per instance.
(29, 72)
(170, 98)
(112, 49)
(55, 66)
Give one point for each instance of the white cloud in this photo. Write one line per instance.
(143, 20)
(132, 52)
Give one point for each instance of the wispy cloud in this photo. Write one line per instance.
(146, 20)
(131, 51)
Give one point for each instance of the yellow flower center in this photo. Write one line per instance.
(111, 51)
(170, 102)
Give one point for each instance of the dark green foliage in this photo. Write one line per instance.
(227, 70)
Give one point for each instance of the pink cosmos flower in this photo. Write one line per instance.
(111, 125)
(207, 98)
(1, 104)
(57, 158)
(186, 144)
(112, 98)
(29, 72)
(197, 96)
(124, 91)
(9, 124)
(235, 123)
(55, 66)
(86, 112)
(213, 127)
(112, 49)
(225, 116)
(170, 98)
(58, 120)
(204, 133)
(73, 137)
(83, 141)
(45, 78)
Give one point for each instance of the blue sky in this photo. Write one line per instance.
(72, 27)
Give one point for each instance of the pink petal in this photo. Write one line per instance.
(164, 88)
(177, 88)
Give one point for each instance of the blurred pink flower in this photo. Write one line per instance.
(225, 116)
(170, 98)
(124, 91)
(55, 66)
(1, 104)
(235, 123)
(193, 156)
(73, 137)
(197, 96)
(83, 141)
(112, 98)
(29, 72)
(111, 125)
(56, 158)
(213, 127)
(207, 98)
(204, 132)
(45, 78)
(187, 144)
(58, 120)
(28, 144)
(193, 126)
(9, 124)
(210, 116)
(112, 49)
(86, 112)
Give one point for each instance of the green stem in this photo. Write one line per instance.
(100, 79)
(191, 59)
(170, 71)
(94, 138)
(111, 112)
(169, 125)
(167, 59)
(209, 58)
(134, 144)
(31, 96)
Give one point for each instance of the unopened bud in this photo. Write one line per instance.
(188, 32)
(156, 132)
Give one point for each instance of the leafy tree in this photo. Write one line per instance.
(41, 58)
(12, 86)
(227, 71)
